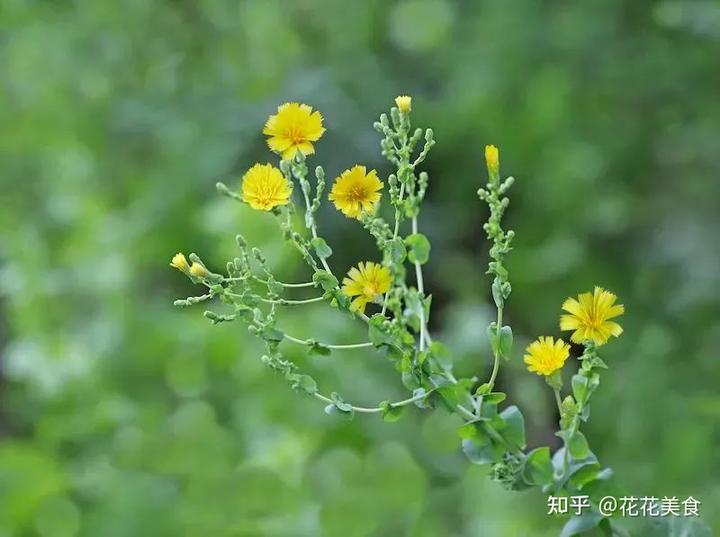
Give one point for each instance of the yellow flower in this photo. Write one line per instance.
(265, 187)
(199, 271)
(590, 316)
(404, 103)
(492, 158)
(545, 356)
(366, 282)
(293, 129)
(356, 191)
(179, 262)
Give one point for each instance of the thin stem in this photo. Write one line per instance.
(260, 280)
(328, 345)
(558, 401)
(465, 412)
(421, 291)
(374, 410)
(395, 234)
(313, 226)
(281, 301)
(287, 301)
(496, 363)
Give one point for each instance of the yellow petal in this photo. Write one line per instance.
(614, 311)
(569, 322)
(571, 306)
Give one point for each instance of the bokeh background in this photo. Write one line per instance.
(121, 415)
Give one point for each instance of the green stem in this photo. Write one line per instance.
(421, 292)
(374, 410)
(490, 431)
(313, 226)
(281, 301)
(558, 400)
(260, 280)
(496, 363)
(287, 301)
(328, 345)
(395, 234)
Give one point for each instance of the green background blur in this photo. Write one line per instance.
(121, 415)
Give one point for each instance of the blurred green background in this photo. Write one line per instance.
(121, 415)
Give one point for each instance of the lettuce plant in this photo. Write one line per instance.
(388, 295)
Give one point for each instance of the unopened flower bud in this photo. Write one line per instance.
(404, 103)
(180, 263)
(199, 271)
(492, 159)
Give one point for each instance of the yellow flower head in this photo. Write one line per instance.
(265, 187)
(366, 282)
(356, 191)
(293, 129)
(199, 271)
(589, 316)
(404, 103)
(545, 356)
(492, 158)
(179, 262)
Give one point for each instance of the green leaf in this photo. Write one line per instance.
(501, 342)
(497, 293)
(483, 389)
(339, 403)
(325, 280)
(482, 454)
(410, 380)
(418, 248)
(594, 362)
(377, 332)
(414, 309)
(538, 467)
(506, 341)
(244, 312)
(581, 523)
(421, 403)
(449, 395)
(471, 431)
(441, 353)
(270, 333)
(333, 410)
(574, 467)
(590, 474)
(339, 407)
(318, 349)
(391, 413)
(455, 394)
(578, 446)
(303, 383)
(397, 250)
(494, 397)
(406, 363)
(580, 388)
(274, 286)
(488, 410)
(514, 432)
(321, 247)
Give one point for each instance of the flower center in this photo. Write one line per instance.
(357, 193)
(296, 134)
(370, 290)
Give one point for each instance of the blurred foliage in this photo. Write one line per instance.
(122, 416)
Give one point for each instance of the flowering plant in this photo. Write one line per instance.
(396, 312)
